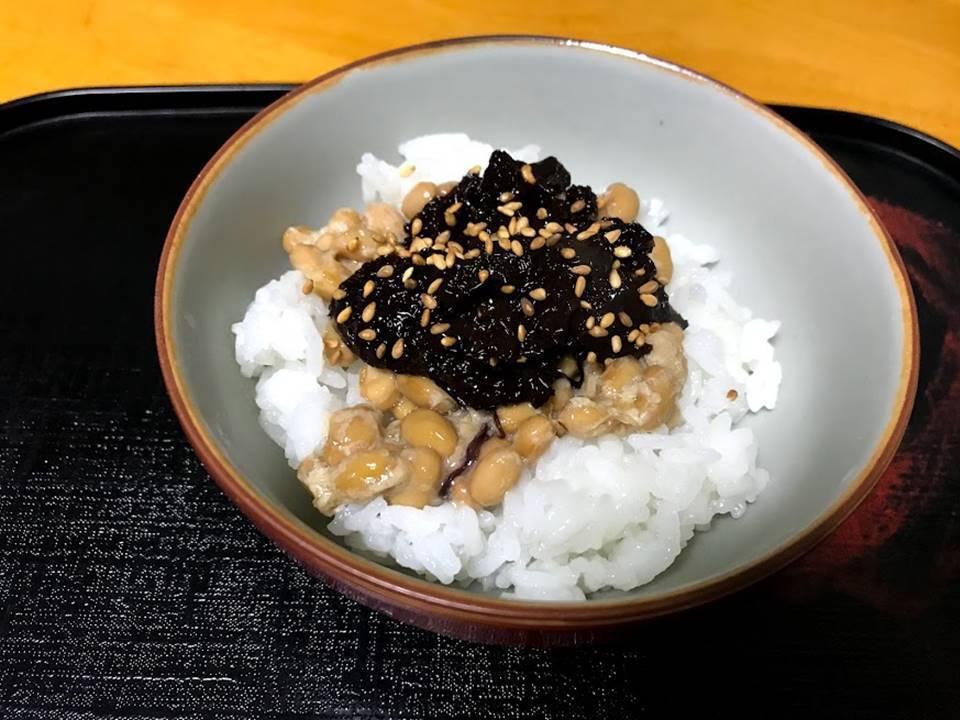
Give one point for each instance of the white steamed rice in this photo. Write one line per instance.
(591, 515)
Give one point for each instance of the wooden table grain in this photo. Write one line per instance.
(899, 60)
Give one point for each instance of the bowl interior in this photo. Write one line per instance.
(800, 246)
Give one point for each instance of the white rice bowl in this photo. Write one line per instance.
(589, 516)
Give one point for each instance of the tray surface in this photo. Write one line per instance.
(131, 588)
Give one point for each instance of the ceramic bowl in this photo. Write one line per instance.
(802, 242)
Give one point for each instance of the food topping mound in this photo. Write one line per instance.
(502, 279)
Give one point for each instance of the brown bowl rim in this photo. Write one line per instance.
(374, 581)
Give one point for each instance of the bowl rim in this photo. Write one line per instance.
(348, 570)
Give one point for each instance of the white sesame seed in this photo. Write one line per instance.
(397, 350)
(439, 328)
(428, 301)
(527, 173)
(580, 286)
(344, 314)
(538, 294)
(622, 251)
(616, 343)
(368, 287)
(580, 269)
(648, 300)
(368, 312)
(367, 334)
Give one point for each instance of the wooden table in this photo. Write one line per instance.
(899, 60)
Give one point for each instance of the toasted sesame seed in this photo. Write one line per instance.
(597, 332)
(505, 210)
(344, 314)
(385, 250)
(517, 248)
(475, 170)
(591, 321)
(443, 237)
(615, 281)
(616, 343)
(307, 287)
(368, 287)
(492, 361)
(428, 300)
(504, 243)
(439, 262)
(528, 232)
(541, 213)
(633, 335)
(622, 251)
(353, 243)
(580, 269)
(527, 173)
(640, 272)
(434, 286)
(585, 305)
(577, 206)
(625, 319)
(506, 196)
(515, 205)
(503, 233)
(589, 232)
(616, 264)
(527, 307)
(521, 333)
(452, 210)
(507, 289)
(537, 243)
(607, 320)
(407, 274)
(648, 287)
(381, 350)
(648, 299)
(512, 227)
(439, 328)
(488, 246)
(408, 170)
(553, 240)
(448, 341)
(579, 286)
(416, 226)
(410, 284)
(331, 342)
(471, 254)
(613, 235)
(368, 312)
(450, 219)
(639, 340)
(538, 294)
(425, 317)
(570, 228)
(522, 222)
(483, 235)
(483, 275)
(568, 253)
(591, 356)
(339, 294)
(397, 350)
(418, 261)
(645, 328)
(553, 227)
(367, 334)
